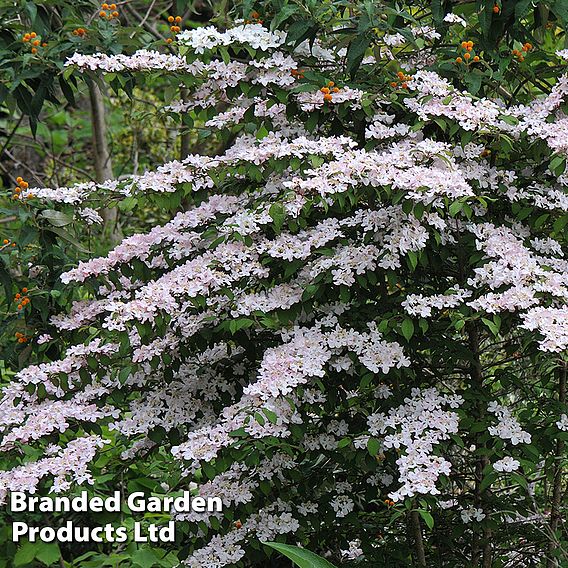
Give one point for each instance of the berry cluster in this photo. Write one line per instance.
(254, 19)
(175, 27)
(328, 91)
(108, 11)
(297, 73)
(402, 79)
(22, 299)
(21, 337)
(467, 46)
(22, 185)
(34, 41)
(80, 32)
(7, 242)
(519, 54)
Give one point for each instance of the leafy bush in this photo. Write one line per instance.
(354, 330)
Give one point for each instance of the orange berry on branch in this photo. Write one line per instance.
(394, 84)
(5, 241)
(459, 60)
(19, 179)
(467, 55)
(33, 35)
(105, 6)
(327, 98)
(44, 44)
(25, 290)
(325, 90)
(336, 90)
(169, 40)
(34, 49)
(496, 9)
(102, 14)
(20, 306)
(115, 14)
(470, 43)
(464, 44)
(112, 7)
(171, 19)
(178, 19)
(476, 58)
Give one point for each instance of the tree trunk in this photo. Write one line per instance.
(103, 161)
(555, 513)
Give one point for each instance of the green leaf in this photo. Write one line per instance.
(26, 554)
(278, 214)
(56, 218)
(299, 556)
(373, 446)
(407, 329)
(428, 518)
(356, 52)
(48, 553)
(145, 557)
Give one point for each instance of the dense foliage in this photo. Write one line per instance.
(353, 328)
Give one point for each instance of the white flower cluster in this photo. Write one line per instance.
(418, 425)
(255, 35)
(507, 428)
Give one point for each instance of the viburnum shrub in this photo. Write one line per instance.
(356, 334)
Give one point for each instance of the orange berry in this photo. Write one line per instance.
(400, 75)
(115, 14)
(335, 90)
(44, 45)
(330, 84)
(75, 33)
(238, 524)
(464, 44)
(171, 19)
(459, 60)
(17, 296)
(496, 9)
(325, 90)
(178, 19)
(394, 84)
(327, 97)
(102, 14)
(25, 290)
(467, 55)
(24, 184)
(469, 48)
(19, 179)
(21, 340)
(36, 42)
(20, 306)
(169, 40)
(112, 6)
(33, 35)
(13, 244)
(34, 49)
(476, 58)
(105, 6)
(404, 86)
(5, 241)
(255, 15)
(470, 43)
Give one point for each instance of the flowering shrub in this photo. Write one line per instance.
(356, 335)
